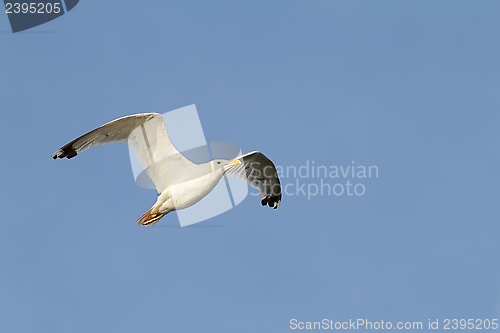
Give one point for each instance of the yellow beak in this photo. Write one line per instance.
(235, 162)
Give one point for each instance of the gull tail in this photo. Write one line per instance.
(149, 219)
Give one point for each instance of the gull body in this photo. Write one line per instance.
(187, 194)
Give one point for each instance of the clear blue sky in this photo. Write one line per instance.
(410, 87)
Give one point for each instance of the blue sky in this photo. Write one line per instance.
(410, 87)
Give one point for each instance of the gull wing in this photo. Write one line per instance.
(260, 172)
(146, 135)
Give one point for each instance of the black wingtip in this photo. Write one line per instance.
(273, 202)
(57, 154)
(68, 152)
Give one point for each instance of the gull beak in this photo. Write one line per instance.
(235, 162)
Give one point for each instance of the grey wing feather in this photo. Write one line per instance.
(260, 172)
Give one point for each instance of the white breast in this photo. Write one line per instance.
(188, 193)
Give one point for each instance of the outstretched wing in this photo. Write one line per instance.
(113, 132)
(259, 172)
(146, 135)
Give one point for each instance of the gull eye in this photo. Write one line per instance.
(218, 162)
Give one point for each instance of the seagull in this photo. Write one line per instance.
(179, 182)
